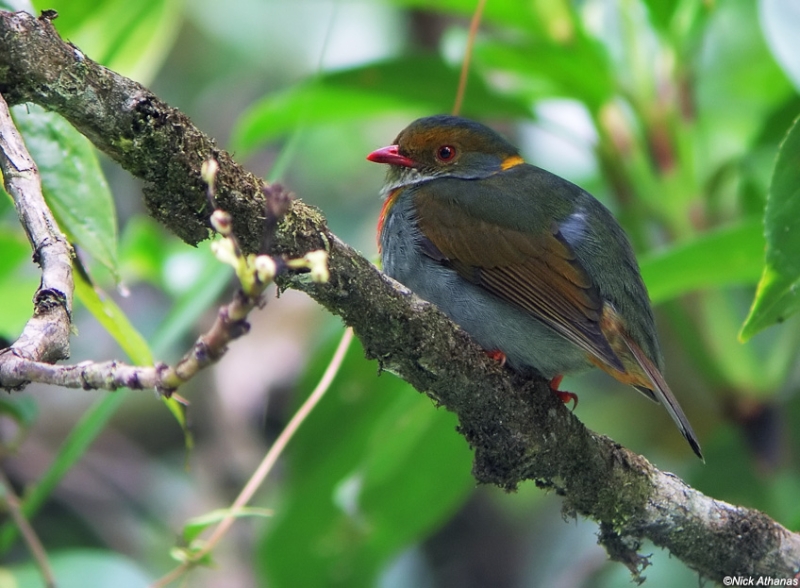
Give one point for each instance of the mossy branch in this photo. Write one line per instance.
(517, 428)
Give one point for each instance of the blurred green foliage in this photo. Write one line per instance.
(777, 296)
(350, 504)
(690, 122)
(72, 181)
(132, 38)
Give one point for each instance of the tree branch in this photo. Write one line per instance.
(46, 335)
(255, 273)
(517, 428)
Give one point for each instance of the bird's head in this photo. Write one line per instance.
(444, 146)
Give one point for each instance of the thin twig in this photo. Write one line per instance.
(473, 32)
(264, 468)
(28, 534)
(254, 272)
(518, 430)
(111, 375)
(46, 335)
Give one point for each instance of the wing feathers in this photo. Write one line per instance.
(536, 271)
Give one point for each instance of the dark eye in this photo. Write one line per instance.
(446, 153)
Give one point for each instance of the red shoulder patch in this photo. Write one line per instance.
(387, 204)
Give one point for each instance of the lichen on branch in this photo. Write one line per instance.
(517, 429)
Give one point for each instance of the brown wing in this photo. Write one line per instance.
(537, 272)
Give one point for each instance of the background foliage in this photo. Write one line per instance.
(678, 114)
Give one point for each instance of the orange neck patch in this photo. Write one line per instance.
(387, 204)
(512, 161)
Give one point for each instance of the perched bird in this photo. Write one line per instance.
(534, 268)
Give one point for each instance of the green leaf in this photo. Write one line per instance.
(108, 314)
(661, 12)
(15, 248)
(78, 568)
(526, 16)
(579, 69)
(18, 282)
(143, 250)
(23, 409)
(777, 294)
(196, 525)
(738, 84)
(407, 85)
(93, 420)
(194, 301)
(70, 451)
(131, 38)
(730, 255)
(184, 555)
(5, 200)
(783, 493)
(175, 326)
(72, 181)
(375, 468)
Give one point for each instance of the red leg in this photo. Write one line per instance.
(566, 397)
(498, 356)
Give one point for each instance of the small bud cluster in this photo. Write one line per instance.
(255, 272)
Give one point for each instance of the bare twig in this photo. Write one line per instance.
(473, 32)
(517, 428)
(254, 273)
(46, 335)
(229, 325)
(264, 468)
(28, 534)
(111, 375)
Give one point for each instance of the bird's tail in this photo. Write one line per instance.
(661, 393)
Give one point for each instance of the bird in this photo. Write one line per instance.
(534, 268)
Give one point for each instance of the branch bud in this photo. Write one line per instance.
(225, 251)
(208, 171)
(265, 268)
(221, 221)
(318, 265)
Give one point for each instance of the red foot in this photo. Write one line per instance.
(498, 356)
(565, 397)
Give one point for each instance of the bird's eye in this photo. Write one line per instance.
(446, 153)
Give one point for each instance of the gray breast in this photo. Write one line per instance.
(495, 324)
